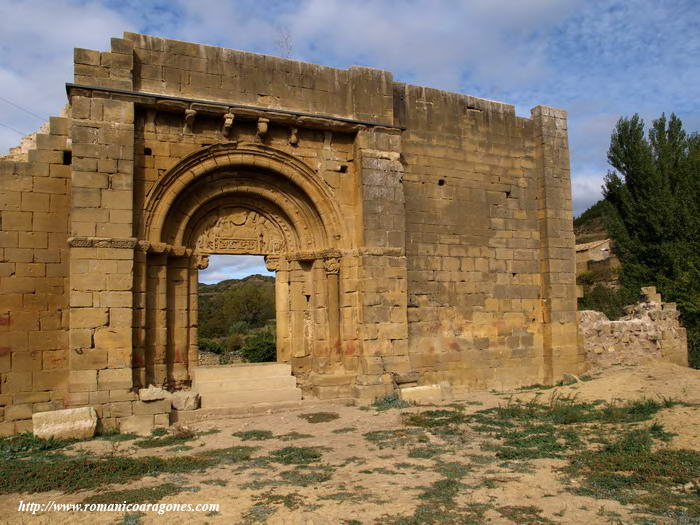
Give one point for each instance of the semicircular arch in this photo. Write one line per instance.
(227, 174)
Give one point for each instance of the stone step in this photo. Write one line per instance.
(234, 399)
(238, 385)
(241, 371)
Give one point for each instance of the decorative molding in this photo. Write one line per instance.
(313, 255)
(159, 247)
(280, 116)
(102, 242)
(332, 265)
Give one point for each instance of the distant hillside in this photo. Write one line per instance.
(228, 284)
(590, 225)
(235, 305)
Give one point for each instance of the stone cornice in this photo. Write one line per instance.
(128, 243)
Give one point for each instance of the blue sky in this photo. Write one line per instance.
(597, 59)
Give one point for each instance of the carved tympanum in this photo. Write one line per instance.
(240, 231)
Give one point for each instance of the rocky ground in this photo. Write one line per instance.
(621, 446)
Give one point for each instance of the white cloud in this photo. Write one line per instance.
(36, 55)
(223, 267)
(598, 60)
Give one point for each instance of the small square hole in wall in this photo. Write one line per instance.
(67, 158)
(147, 151)
(441, 182)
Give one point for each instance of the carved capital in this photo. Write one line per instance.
(273, 263)
(332, 265)
(202, 261)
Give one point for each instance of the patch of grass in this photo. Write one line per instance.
(71, 475)
(132, 518)
(215, 482)
(395, 438)
(343, 496)
(237, 454)
(453, 469)
(293, 436)
(390, 401)
(296, 455)
(524, 515)
(344, 430)
(161, 437)
(181, 448)
(291, 501)
(254, 435)
(304, 477)
(631, 472)
(531, 442)
(536, 386)
(258, 514)
(425, 452)
(116, 436)
(142, 495)
(319, 417)
(27, 445)
(431, 419)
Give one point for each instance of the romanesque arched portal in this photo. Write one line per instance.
(239, 199)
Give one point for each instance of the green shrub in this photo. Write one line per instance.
(209, 345)
(260, 347)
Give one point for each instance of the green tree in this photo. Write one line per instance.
(654, 213)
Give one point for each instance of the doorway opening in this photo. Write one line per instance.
(236, 318)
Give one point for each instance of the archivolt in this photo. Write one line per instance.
(225, 174)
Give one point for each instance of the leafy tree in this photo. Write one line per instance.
(234, 307)
(654, 213)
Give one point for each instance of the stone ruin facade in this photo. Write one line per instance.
(413, 232)
(650, 330)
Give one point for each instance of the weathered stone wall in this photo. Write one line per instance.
(489, 239)
(651, 330)
(34, 206)
(425, 233)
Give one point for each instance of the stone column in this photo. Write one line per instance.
(279, 266)
(557, 251)
(139, 328)
(196, 263)
(332, 268)
(178, 319)
(156, 319)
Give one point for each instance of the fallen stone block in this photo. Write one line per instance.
(423, 395)
(72, 423)
(153, 393)
(185, 400)
(140, 425)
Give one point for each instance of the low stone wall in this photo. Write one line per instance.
(651, 330)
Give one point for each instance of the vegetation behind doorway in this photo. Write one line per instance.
(237, 320)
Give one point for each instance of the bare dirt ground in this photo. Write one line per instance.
(369, 466)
